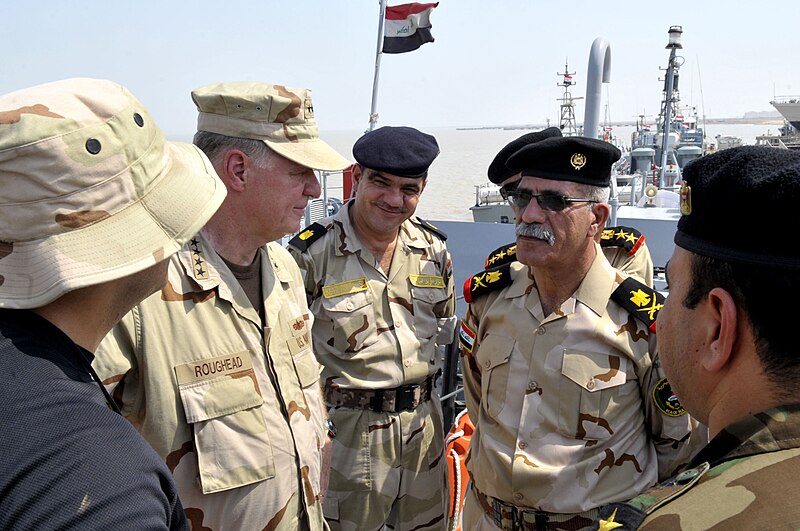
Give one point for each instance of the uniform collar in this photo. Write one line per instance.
(409, 234)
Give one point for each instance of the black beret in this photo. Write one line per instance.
(498, 171)
(570, 158)
(401, 151)
(738, 205)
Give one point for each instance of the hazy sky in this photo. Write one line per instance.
(493, 63)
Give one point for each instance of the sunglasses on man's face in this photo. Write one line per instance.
(520, 198)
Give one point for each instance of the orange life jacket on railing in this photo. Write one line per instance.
(456, 446)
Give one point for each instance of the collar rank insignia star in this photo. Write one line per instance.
(642, 301)
(686, 199)
(307, 236)
(486, 282)
(199, 270)
(504, 254)
(578, 160)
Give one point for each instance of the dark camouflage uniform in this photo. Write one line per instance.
(746, 478)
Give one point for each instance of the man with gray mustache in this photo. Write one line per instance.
(570, 405)
(380, 284)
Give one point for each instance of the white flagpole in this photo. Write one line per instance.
(373, 115)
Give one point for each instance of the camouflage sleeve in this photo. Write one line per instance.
(306, 265)
(445, 311)
(675, 434)
(117, 365)
(467, 336)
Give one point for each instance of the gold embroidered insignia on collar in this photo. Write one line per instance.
(578, 160)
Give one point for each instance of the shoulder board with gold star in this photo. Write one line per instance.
(430, 227)
(486, 282)
(307, 236)
(502, 255)
(642, 301)
(628, 238)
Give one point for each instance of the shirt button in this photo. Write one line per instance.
(540, 330)
(590, 385)
(533, 384)
(518, 496)
(398, 324)
(522, 445)
(407, 363)
(349, 306)
(430, 297)
(487, 364)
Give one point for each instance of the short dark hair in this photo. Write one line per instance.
(765, 294)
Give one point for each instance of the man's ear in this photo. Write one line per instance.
(601, 213)
(722, 330)
(233, 170)
(356, 177)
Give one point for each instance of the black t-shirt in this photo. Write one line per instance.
(67, 461)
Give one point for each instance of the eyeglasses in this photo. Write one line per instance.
(519, 198)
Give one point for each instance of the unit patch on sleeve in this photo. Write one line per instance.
(502, 255)
(665, 399)
(642, 301)
(307, 236)
(625, 237)
(486, 282)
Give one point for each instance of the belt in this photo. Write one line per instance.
(403, 398)
(512, 518)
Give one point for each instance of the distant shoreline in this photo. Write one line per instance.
(770, 120)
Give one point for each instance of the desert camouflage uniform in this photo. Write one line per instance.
(374, 330)
(560, 423)
(196, 380)
(746, 478)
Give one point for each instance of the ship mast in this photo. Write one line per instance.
(668, 108)
(567, 122)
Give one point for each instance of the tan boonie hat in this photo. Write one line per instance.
(90, 191)
(281, 117)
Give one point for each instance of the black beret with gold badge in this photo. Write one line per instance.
(570, 158)
(498, 171)
(738, 205)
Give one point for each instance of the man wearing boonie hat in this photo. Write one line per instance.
(92, 202)
(217, 370)
(380, 285)
(727, 342)
(623, 247)
(570, 408)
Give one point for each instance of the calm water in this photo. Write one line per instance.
(467, 153)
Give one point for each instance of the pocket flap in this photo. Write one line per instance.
(429, 295)
(594, 371)
(495, 350)
(347, 303)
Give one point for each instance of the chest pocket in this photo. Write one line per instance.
(222, 402)
(592, 392)
(424, 301)
(493, 355)
(353, 319)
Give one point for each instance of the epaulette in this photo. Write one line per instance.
(430, 227)
(307, 236)
(642, 301)
(502, 255)
(628, 238)
(486, 282)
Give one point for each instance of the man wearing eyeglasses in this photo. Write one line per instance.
(570, 405)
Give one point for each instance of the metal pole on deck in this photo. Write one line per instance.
(373, 112)
(673, 45)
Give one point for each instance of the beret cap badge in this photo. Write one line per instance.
(578, 160)
(686, 199)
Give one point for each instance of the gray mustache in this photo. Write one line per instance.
(535, 230)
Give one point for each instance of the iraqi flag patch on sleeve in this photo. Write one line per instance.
(466, 336)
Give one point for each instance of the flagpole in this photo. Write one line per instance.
(373, 114)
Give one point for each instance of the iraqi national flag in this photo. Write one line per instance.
(407, 27)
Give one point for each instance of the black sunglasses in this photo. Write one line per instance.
(520, 198)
